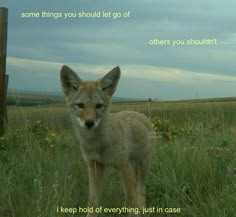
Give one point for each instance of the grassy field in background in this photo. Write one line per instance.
(193, 168)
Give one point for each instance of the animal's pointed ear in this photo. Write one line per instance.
(110, 81)
(70, 81)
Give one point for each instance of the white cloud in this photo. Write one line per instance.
(175, 75)
(147, 72)
(31, 64)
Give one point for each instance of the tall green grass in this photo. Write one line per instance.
(41, 167)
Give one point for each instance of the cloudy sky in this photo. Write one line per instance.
(39, 46)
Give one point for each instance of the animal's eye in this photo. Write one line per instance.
(80, 105)
(99, 105)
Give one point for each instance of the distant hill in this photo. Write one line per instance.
(27, 98)
(216, 99)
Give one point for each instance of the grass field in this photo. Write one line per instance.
(193, 168)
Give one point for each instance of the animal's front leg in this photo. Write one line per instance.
(95, 176)
(129, 182)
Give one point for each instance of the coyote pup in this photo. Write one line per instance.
(123, 140)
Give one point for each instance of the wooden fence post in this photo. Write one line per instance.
(3, 76)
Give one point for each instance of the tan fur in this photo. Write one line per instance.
(123, 140)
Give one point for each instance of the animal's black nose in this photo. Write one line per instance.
(89, 123)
